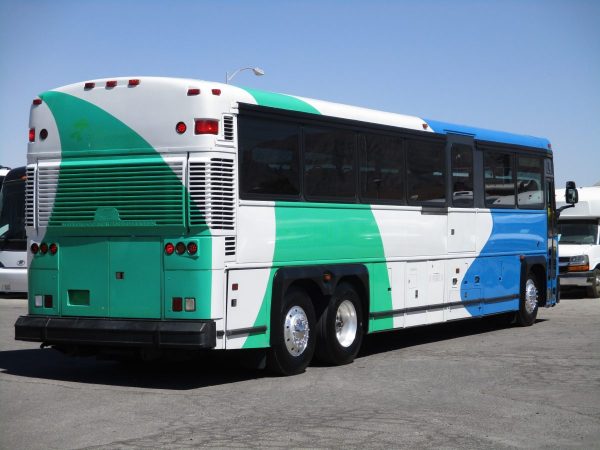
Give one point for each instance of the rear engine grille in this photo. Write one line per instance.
(29, 197)
(229, 245)
(211, 186)
(132, 193)
(228, 132)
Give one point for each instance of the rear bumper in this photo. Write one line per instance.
(191, 335)
(576, 278)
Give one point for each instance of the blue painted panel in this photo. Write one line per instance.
(499, 266)
(489, 135)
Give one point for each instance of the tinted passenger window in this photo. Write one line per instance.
(425, 172)
(462, 175)
(530, 192)
(329, 163)
(382, 169)
(269, 155)
(499, 180)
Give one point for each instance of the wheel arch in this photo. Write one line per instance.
(319, 282)
(536, 265)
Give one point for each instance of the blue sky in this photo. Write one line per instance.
(528, 66)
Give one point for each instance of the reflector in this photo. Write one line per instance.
(47, 301)
(177, 304)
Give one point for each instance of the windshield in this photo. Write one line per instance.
(580, 232)
(12, 215)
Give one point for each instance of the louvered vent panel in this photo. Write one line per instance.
(30, 197)
(211, 187)
(229, 245)
(228, 131)
(142, 193)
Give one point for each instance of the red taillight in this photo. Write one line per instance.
(53, 248)
(43, 134)
(193, 91)
(169, 248)
(180, 248)
(89, 85)
(37, 101)
(206, 126)
(47, 301)
(32, 135)
(133, 82)
(34, 248)
(181, 127)
(192, 248)
(44, 248)
(177, 304)
(216, 92)
(111, 83)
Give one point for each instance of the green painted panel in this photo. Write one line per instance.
(87, 262)
(135, 278)
(188, 283)
(82, 126)
(282, 101)
(329, 234)
(43, 282)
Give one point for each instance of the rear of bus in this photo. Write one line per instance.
(130, 210)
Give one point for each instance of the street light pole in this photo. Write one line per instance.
(257, 71)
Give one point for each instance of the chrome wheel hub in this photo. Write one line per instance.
(296, 331)
(346, 323)
(531, 296)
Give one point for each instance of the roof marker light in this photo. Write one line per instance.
(37, 101)
(216, 92)
(425, 126)
(206, 126)
(193, 91)
(111, 83)
(134, 82)
(89, 85)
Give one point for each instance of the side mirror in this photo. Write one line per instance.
(571, 194)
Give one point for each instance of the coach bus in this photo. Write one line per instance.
(176, 214)
(13, 242)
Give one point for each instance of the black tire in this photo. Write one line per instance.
(529, 303)
(297, 308)
(593, 291)
(333, 348)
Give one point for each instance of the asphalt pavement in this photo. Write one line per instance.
(475, 384)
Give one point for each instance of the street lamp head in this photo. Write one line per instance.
(258, 71)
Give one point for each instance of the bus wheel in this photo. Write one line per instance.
(528, 305)
(293, 335)
(340, 327)
(594, 290)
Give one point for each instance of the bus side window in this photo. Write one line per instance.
(499, 179)
(462, 175)
(382, 169)
(530, 193)
(425, 172)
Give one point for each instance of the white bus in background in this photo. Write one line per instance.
(579, 250)
(3, 171)
(13, 240)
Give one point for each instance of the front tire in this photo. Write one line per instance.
(594, 290)
(293, 335)
(528, 305)
(340, 327)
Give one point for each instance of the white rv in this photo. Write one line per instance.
(579, 246)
